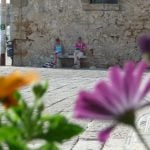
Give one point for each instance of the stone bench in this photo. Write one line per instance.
(67, 61)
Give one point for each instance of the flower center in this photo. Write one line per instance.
(128, 118)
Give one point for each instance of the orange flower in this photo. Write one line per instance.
(10, 83)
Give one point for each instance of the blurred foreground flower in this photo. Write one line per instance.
(23, 124)
(144, 45)
(116, 99)
(10, 83)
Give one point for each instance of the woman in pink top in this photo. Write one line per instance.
(80, 48)
(80, 45)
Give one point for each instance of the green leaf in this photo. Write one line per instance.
(21, 102)
(16, 144)
(49, 146)
(7, 133)
(12, 117)
(12, 137)
(22, 120)
(60, 129)
(1, 148)
(17, 95)
(39, 90)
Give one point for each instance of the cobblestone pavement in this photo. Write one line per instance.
(60, 98)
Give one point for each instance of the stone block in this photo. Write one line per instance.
(19, 3)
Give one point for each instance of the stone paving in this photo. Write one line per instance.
(60, 98)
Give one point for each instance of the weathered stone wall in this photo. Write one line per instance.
(111, 33)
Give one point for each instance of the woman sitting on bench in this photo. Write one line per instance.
(80, 49)
(58, 50)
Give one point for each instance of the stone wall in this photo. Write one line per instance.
(111, 30)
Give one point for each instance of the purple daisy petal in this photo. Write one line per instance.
(110, 100)
(122, 87)
(87, 106)
(137, 81)
(144, 43)
(132, 80)
(128, 79)
(139, 70)
(138, 73)
(143, 91)
(104, 134)
(116, 76)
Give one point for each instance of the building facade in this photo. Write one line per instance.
(111, 29)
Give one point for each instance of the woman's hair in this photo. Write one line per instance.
(57, 40)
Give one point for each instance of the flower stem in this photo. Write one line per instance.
(102, 147)
(141, 138)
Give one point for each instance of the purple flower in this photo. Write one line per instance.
(116, 99)
(144, 43)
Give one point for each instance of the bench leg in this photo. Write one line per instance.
(78, 62)
(59, 64)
